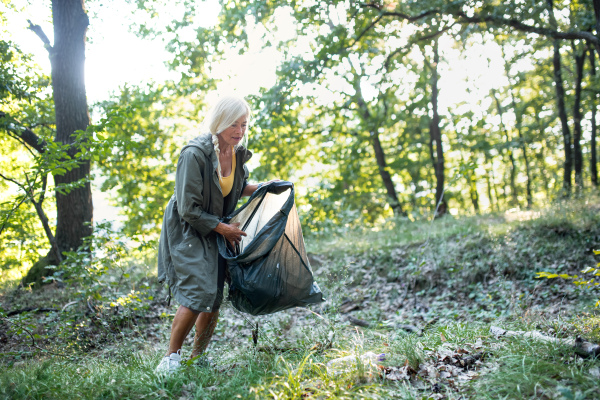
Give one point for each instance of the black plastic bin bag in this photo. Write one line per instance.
(269, 269)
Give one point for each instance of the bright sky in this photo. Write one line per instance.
(115, 56)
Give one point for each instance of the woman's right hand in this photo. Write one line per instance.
(231, 232)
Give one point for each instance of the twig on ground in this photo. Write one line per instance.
(91, 308)
(69, 304)
(31, 309)
(33, 344)
(581, 346)
(358, 322)
(410, 328)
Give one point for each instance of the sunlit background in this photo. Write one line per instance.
(116, 56)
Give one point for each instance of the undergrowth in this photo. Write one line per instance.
(427, 293)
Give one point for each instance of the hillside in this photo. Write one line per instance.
(425, 294)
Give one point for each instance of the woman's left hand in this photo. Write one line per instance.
(250, 189)
(266, 183)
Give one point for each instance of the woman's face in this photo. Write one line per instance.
(234, 134)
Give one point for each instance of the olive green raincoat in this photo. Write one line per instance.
(188, 252)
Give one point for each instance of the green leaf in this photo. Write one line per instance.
(547, 275)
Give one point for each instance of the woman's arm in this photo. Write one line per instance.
(189, 188)
(251, 188)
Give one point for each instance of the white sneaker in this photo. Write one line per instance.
(169, 364)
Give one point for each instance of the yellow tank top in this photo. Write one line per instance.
(227, 182)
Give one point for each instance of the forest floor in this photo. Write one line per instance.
(421, 297)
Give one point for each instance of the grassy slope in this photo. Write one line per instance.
(451, 279)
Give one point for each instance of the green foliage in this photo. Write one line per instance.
(23, 101)
(588, 283)
(143, 145)
(100, 270)
(363, 73)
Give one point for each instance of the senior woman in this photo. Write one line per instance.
(211, 177)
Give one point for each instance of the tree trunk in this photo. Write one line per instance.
(379, 155)
(560, 106)
(472, 182)
(73, 202)
(519, 116)
(74, 209)
(577, 154)
(593, 103)
(436, 149)
(509, 153)
(385, 175)
(597, 16)
(489, 182)
(542, 156)
(562, 114)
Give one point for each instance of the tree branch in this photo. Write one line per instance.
(463, 18)
(44, 184)
(410, 18)
(33, 344)
(13, 181)
(44, 219)
(15, 208)
(38, 208)
(520, 26)
(363, 33)
(581, 346)
(40, 33)
(18, 139)
(432, 35)
(25, 134)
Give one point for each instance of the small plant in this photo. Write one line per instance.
(101, 298)
(588, 283)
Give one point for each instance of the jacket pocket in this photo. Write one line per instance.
(195, 270)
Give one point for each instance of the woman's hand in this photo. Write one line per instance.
(266, 183)
(231, 232)
(250, 189)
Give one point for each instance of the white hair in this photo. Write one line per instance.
(225, 112)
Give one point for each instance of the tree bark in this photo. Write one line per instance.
(385, 175)
(577, 153)
(561, 109)
(519, 116)
(593, 103)
(489, 182)
(74, 209)
(379, 154)
(542, 156)
(435, 137)
(597, 17)
(511, 157)
(472, 182)
(562, 114)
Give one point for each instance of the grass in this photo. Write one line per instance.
(452, 279)
(513, 368)
(529, 369)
